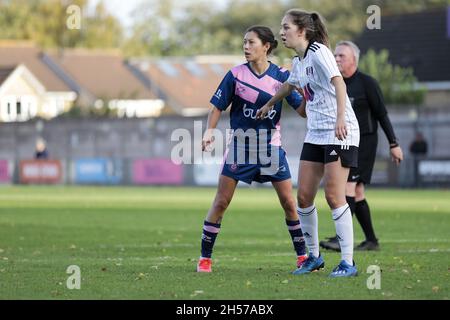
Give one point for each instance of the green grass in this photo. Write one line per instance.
(143, 243)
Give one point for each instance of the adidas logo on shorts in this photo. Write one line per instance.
(333, 153)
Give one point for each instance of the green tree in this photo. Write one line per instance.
(101, 30)
(399, 85)
(154, 31)
(44, 22)
(165, 28)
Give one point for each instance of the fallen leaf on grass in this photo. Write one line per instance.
(196, 292)
(140, 276)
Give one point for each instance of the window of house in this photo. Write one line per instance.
(18, 108)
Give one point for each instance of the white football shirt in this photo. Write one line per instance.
(313, 73)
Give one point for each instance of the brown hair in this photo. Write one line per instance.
(312, 22)
(265, 35)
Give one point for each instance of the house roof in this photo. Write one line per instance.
(9, 74)
(5, 72)
(14, 53)
(189, 82)
(102, 73)
(419, 40)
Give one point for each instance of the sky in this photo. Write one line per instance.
(122, 9)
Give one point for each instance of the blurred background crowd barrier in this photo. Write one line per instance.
(138, 151)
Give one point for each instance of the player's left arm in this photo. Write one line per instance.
(376, 103)
(325, 63)
(341, 94)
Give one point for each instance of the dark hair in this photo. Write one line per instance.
(265, 35)
(312, 22)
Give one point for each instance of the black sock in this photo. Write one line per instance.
(362, 213)
(351, 203)
(297, 237)
(210, 231)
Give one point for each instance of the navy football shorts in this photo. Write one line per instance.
(275, 171)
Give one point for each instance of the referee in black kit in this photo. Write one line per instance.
(367, 102)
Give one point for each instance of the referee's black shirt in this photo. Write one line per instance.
(368, 104)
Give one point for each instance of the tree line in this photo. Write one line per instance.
(199, 27)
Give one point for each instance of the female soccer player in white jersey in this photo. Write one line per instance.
(332, 138)
(247, 88)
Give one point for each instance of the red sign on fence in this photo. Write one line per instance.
(40, 171)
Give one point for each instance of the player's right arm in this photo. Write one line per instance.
(282, 93)
(302, 109)
(213, 118)
(220, 102)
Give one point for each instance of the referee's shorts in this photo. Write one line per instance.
(366, 159)
(329, 153)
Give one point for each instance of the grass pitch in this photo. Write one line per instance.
(143, 243)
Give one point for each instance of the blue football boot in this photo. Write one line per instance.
(344, 270)
(311, 264)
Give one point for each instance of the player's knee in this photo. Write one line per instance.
(288, 205)
(221, 204)
(359, 191)
(350, 189)
(333, 199)
(304, 200)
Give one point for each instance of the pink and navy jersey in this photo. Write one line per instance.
(247, 92)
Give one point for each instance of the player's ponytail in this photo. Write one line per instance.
(320, 30)
(313, 23)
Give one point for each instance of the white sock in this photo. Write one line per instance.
(308, 221)
(344, 230)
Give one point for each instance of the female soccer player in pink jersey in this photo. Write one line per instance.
(247, 88)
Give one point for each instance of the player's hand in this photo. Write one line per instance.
(261, 113)
(302, 93)
(341, 129)
(397, 155)
(208, 138)
(302, 111)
